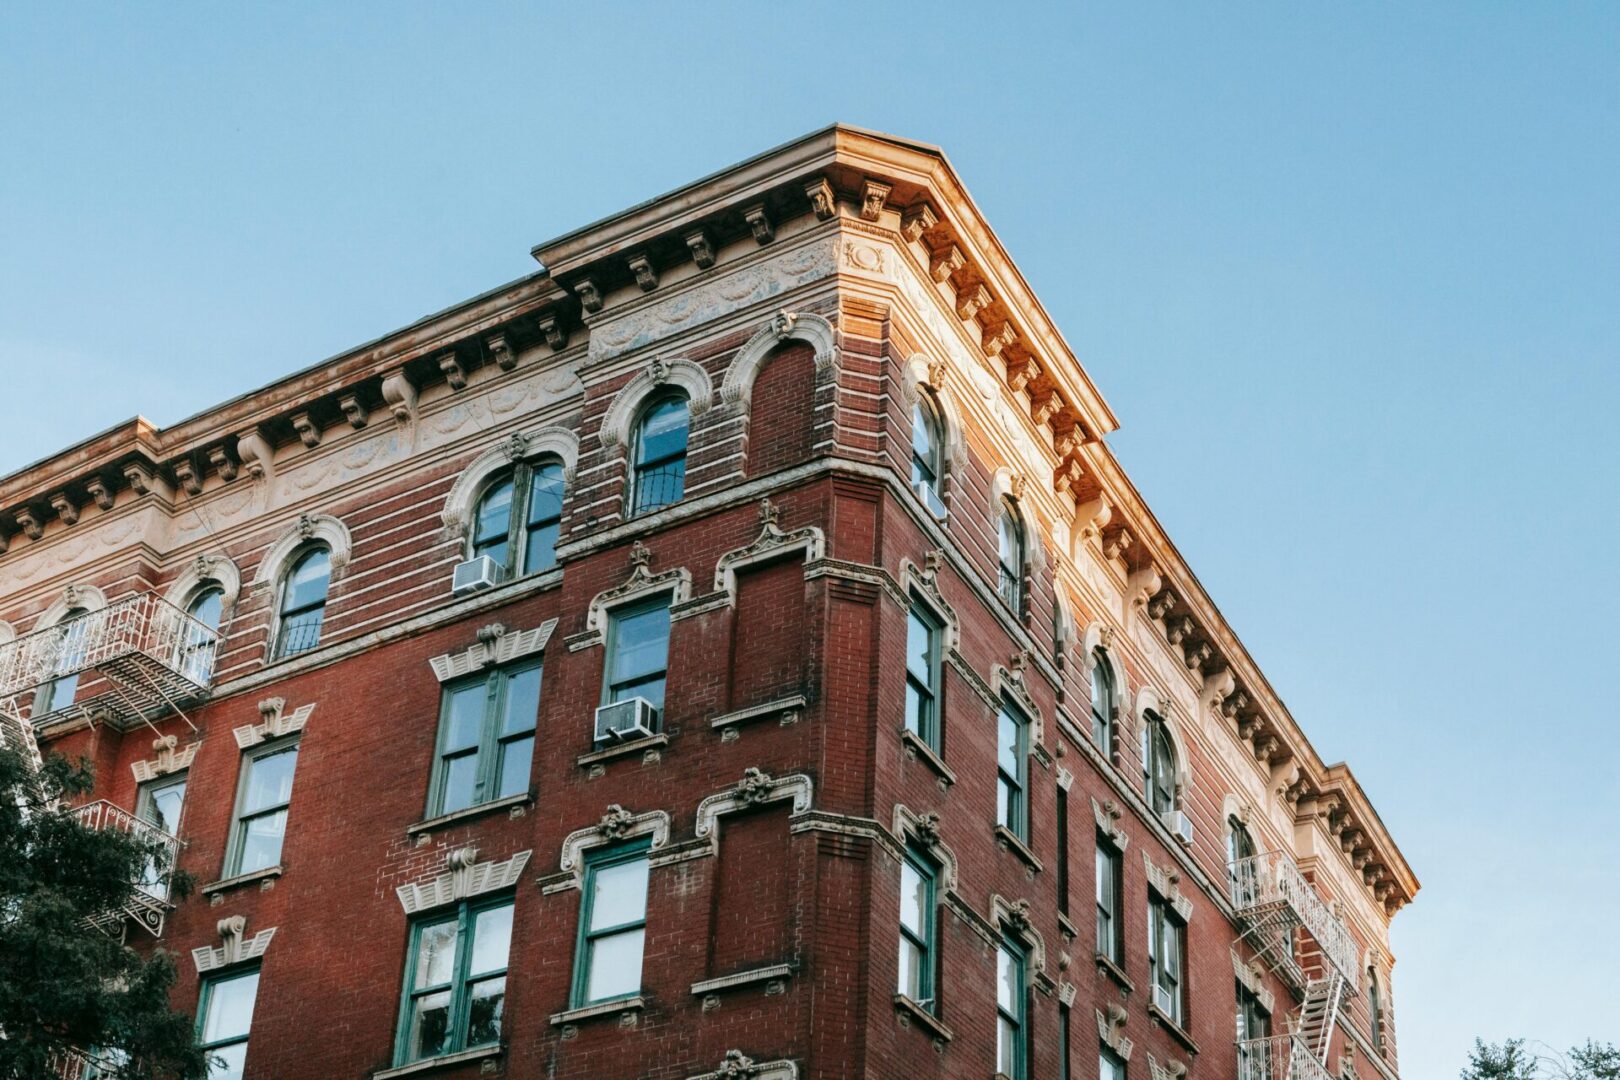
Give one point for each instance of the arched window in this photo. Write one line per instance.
(1240, 867)
(1375, 1009)
(1103, 700)
(1010, 556)
(1158, 766)
(303, 602)
(658, 471)
(70, 635)
(518, 516)
(199, 641)
(927, 455)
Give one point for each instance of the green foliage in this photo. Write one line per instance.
(1595, 1061)
(64, 984)
(1510, 1060)
(1507, 1061)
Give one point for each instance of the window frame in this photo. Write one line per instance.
(926, 413)
(236, 843)
(1115, 860)
(1164, 924)
(639, 469)
(278, 646)
(1010, 577)
(1116, 1066)
(1375, 1009)
(610, 642)
(460, 985)
(205, 998)
(64, 684)
(927, 997)
(928, 727)
(1156, 731)
(1240, 847)
(596, 860)
(190, 647)
(1019, 1021)
(522, 475)
(492, 744)
(145, 804)
(1102, 676)
(1016, 787)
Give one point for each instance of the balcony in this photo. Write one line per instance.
(148, 904)
(1281, 1057)
(78, 1065)
(131, 661)
(1272, 898)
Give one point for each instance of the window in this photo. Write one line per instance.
(1110, 936)
(225, 1014)
(1253, 1022)
(518, 516)
(1010, 558)
(1103, 698)
(1240, 868)
(638, 653)
(1010, 1010)
(486, 738)
(1166, 947)
(198, 640)
(303, 603)
(1063, 1042)
(159, 803)
(917, 885)
(261, 808)
(71, 631)
(1110, 1066)
(1062, 824)
(455, 981)
(1158, 766)
(922, 675)
(927, 457)
(1012, 771)
(612, 926)
(659, 470)
(1375, 1010)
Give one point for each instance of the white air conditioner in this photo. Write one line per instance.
(621, 721)
(1163, 1001)
(476, 575)
(1179, 823)
(930, 498)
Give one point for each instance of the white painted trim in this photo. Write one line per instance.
(203, 571)
(782, 328)
(308, 529)
(461, 878)
(550, 441)
(617, 826)
(627, 404)
(756, 788)
(72, 596)
(503, 647)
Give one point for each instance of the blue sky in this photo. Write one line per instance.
(1349, 274)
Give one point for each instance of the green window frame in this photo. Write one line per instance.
(923, 633)
(263, 798)
(1012, 770)
(1110, 1066)
(218, 1033)
(919, 884)
(454, 994)
(634, 666)
(485, 746)
(614, 890)
(1012, 1010)
(161, 803)
(1110, 935)
(1167, 952)
(518, 516)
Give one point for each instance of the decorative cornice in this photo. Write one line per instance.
(737, 1065)
(171, 758)
(495, 645)
(756, 788)
(615, 827)
(274, 723)
(235, 948)
(464, 876)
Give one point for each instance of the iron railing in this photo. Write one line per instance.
(1273, 880)
(658, 487)
(102, 814)
(1281, 1057)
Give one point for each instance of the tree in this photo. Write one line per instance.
(1507, 1061)
(63, 984)
(1510, 1060)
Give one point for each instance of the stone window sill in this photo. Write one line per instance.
(772, 973)
(227, 884)
(468, 813)
(1114, 971)
(919, 749)
(782, 708)
(1068, 929)
(1010, 841)
(920, 1015)
(624, 749)
(1164, 1021)
(601, 1008)
(483, 1053)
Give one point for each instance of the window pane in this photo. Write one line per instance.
(230, 1007)
(435, 954)
(430, 1025)
(540, 552)
(261, 841)
(918, 648)
(910, 969)
(270, 780)
(914, 709)
(1003, 802)
(206, 608)
(640, 644)
(618, 894)
(615, 965)
(301, 632)
(1007, 980)
(924, 465)
(463, 716)
(493, 518)
(515, 759)
(522, 700)
(1007, 743)
(663, 431)
(546, 493)
(492, 940)
(226, 1062)
(913, 900)
(485, 1010)
(163, 806)
(307, 583)
(1006, 1047)
(460, 782)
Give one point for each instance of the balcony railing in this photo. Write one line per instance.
(1281, 1057)
(148, 652)
(149, 903)
(78, 1065)
(1272, 883)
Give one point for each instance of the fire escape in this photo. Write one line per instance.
(1274, 903)
(132, 662)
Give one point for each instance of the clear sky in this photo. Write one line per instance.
(1349, 274)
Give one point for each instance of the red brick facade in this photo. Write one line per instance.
(786, 654)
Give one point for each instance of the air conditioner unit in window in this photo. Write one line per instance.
(930, 498)
(476, 575)
(1179, 823)
(1163, 1001)
(622, 721)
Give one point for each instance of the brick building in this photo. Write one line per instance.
(730, 651)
